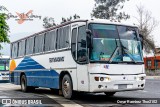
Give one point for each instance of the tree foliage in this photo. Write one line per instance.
(2, 8)
(109, 9)
(49, 21)
(4, 28)
(147, 25)
(74, 17)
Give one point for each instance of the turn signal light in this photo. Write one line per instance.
(96, 78)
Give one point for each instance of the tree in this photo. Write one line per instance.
(4, 28)
(2, 8)
(74, 17)
(147, 25)
(48, 22)
(109, 9)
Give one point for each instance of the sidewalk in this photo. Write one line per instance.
(153, 77)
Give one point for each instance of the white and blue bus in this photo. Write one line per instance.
(81, 55)
(4, 69)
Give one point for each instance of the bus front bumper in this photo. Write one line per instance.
(103, 83)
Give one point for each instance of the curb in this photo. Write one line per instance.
(153, 77)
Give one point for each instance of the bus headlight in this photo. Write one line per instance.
(101, 79)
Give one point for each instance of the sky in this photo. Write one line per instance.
(65, 8)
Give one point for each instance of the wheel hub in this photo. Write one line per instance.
(66, 87)
(23, 84)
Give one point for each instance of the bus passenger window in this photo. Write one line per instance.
(14, 50)
(21, 49)
(73, 45)
(39, 43)
(30, 45)
(50, 41)
(81, 42)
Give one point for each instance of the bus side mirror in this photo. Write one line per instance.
(141, 39)
(89, 38)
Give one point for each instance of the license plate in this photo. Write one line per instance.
(122, 86)
(5, 78)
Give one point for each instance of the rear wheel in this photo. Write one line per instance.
(109, 93)
(67, 88)
(24, 86)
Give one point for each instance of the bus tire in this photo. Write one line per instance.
(67, 87)
(24, 86)
(109, 93)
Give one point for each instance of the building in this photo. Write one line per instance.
(153, 62)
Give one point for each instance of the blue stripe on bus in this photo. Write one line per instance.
(29, 63)
(37, 78)
(44, 78)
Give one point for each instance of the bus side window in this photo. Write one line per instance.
(81, 45)
(39, 43)
(58, 46)
(14, 50)
(50, 41)
(73, 45)
(30, 45)
(21, 49)
(66, 37)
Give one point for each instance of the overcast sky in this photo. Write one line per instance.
(65, 8)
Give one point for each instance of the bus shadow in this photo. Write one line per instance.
(82, 98)
(97, 98)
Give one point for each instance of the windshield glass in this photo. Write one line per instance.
(115, 43)
(4, 64)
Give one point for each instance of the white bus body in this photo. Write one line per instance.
(110, 72)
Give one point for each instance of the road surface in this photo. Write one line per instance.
(45, 97)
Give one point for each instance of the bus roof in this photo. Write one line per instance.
(104, 21)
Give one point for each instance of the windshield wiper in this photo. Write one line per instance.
(127, 52)
(114, 53)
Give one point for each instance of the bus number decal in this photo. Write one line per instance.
(56, 59)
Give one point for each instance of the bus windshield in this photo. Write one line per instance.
(115, 43)
(4, 64)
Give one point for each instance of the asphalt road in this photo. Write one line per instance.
(45, 97)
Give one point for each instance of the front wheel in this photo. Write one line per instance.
(109, 93)
(67, 88)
